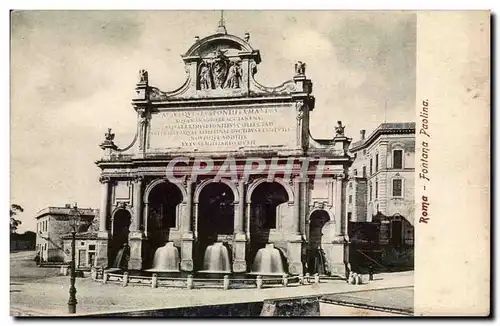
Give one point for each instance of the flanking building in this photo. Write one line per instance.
(381, 187)
(52, 224)
(222, 113)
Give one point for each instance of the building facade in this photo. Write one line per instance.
(85, 248)
(381, 185)
(224, 116)
(52, 224)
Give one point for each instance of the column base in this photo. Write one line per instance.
(335, 258)
(295, 266)
(187, 263)
(239, 253)
(135, 243)
(102, 249)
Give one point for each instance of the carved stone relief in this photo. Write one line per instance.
(219, 72)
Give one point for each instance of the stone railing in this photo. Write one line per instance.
(190, 282)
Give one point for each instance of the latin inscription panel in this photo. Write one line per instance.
(214, 129)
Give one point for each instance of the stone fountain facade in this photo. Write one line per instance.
(222, 112)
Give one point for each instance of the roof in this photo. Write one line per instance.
(65, 211)
(89, 235)
(385, 129)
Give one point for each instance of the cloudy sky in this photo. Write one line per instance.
(73, 75)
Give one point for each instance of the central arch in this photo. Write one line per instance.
(215, 217)
(119, 238)
(163, 214)
(267, 202)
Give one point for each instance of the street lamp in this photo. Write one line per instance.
(74, 222)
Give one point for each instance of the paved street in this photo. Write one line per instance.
(37, 291)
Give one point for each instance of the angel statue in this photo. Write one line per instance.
(205, 79)
(233, 76)
(300, 68)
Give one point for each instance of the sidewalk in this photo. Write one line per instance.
(51, 295)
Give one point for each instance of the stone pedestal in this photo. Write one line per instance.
(239, 250)
(187, 252)
(295, 257)
(102, 249)
(334, 254)
(135, 243)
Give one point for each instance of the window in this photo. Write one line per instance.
(397, 188)
(91, 247)
(364, 171)
(376, 162)
(371, 166)
(376, 189)
(349, 216)
(350, 185)
(350, 199)
(370, 191)
(397, 162)
(355, 172)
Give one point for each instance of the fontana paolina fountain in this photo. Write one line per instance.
(267, 262)
(166, 259)
(268, 266)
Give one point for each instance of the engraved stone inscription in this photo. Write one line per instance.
(224, 128)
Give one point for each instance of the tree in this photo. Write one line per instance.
(14, 223)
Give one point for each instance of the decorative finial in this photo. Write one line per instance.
(300, 68)
(108, 140)
(143, 76)
(339, 130)
(247, 37)
(221, 29)
(196, 38)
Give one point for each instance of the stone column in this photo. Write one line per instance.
(239, 246)
(336, 249)
(339, 232)
(187, 233)
(196, 220)
(296, 206)
(103, 212)
(136, 221)
(103, 234)
(135, 237)
(248, 215)
(145, 217)
(239, 212)
(294, 246)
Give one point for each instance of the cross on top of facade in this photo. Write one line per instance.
(221, 29)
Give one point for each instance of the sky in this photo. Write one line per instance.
(73, 76)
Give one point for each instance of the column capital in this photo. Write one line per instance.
(138, 178)
(104, 179)
(340, 176)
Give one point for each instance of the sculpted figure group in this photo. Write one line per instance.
(219, 73)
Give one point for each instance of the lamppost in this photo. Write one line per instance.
(74, 222)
